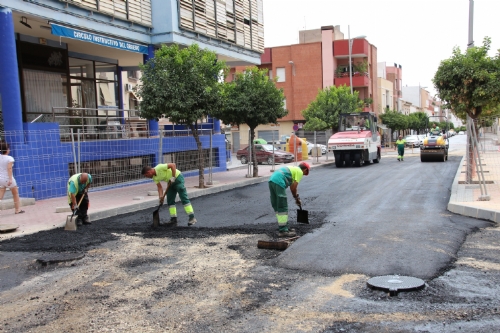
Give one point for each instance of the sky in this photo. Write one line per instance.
(416, 34)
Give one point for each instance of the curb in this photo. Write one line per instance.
(462, 208)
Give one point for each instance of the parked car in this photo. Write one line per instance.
(265, 155)
(310, 146)
(461, 133)
(413, 141)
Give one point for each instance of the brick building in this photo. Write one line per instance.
(320, 60)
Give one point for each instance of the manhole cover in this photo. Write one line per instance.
(395, 283)
(8, 227)
(59, 257)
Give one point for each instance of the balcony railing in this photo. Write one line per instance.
(100, 124)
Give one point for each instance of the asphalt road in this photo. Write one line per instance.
(386, 218)
(379, 219)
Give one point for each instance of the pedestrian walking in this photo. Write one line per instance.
(78, 198)
(287, 176)
(400, 146)
(169, 173)
(7, 179)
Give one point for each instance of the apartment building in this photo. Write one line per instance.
(72, 66)
(320, 60)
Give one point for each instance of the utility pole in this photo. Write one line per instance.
(471, 24)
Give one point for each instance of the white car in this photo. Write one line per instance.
(412, 141)
(310, 146)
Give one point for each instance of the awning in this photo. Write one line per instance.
(90, 37)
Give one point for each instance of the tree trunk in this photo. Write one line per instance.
(201, 159)
(254, 155)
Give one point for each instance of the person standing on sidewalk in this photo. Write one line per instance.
(169, 173)
(287, 176)
(7, 178)
(400, 146)
(78, 185)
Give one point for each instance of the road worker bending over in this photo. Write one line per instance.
(287, 176)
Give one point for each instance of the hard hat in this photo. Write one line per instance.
(305, 165)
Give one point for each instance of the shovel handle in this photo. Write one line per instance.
(166, 190)
(79, 202)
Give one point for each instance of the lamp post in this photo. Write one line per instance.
(350, 53)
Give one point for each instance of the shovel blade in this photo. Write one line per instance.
(70, 223)
(302, 216)
(156, 218)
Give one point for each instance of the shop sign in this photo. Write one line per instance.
(86, 36)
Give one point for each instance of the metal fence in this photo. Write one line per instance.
(482, 162)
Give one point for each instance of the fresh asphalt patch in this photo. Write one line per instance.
(211, 277)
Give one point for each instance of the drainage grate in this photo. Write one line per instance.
(395, 283)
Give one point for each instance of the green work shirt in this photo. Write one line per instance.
(74, 185)
(286, 176)
(163, 172)
(401, 143)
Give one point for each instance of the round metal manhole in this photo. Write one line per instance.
(59, 257)
(8, 227)
(395, 283)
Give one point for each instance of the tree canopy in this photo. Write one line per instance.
(184, 85)
(252, 99)
(469, 83)
(323, 112)
(394, 120)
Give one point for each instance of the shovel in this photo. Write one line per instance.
(70, 223)
(156, 213)
(302, 215)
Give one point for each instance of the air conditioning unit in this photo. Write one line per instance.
(128, 87)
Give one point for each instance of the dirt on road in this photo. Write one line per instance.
(136, 279)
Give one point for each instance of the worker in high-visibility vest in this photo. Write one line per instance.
(400, 146)
(287, 176)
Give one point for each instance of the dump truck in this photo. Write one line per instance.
(434, 147)
(357, 141)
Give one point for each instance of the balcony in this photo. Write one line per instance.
(358, 80)
(360, 48)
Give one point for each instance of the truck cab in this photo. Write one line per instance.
(357, 140)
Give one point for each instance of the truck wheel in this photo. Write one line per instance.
(357, 160)
(339, 162)
(244, 160)
(347, 159)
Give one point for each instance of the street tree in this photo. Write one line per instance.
(184, 85)
(323, 112)
(417, 121)
(469, 84)
(395, 120)
(252, 99)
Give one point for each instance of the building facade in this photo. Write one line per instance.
(72, 66)
(320, 60)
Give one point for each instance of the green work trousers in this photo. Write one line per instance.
(178, 188)
(279, 201)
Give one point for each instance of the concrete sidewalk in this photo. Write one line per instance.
(107, 203)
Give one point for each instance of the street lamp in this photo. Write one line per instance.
(293, 67)
(350, 52)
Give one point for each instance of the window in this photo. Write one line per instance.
(284, 103)
(280, 74)
(132, 74)
(271, 74)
